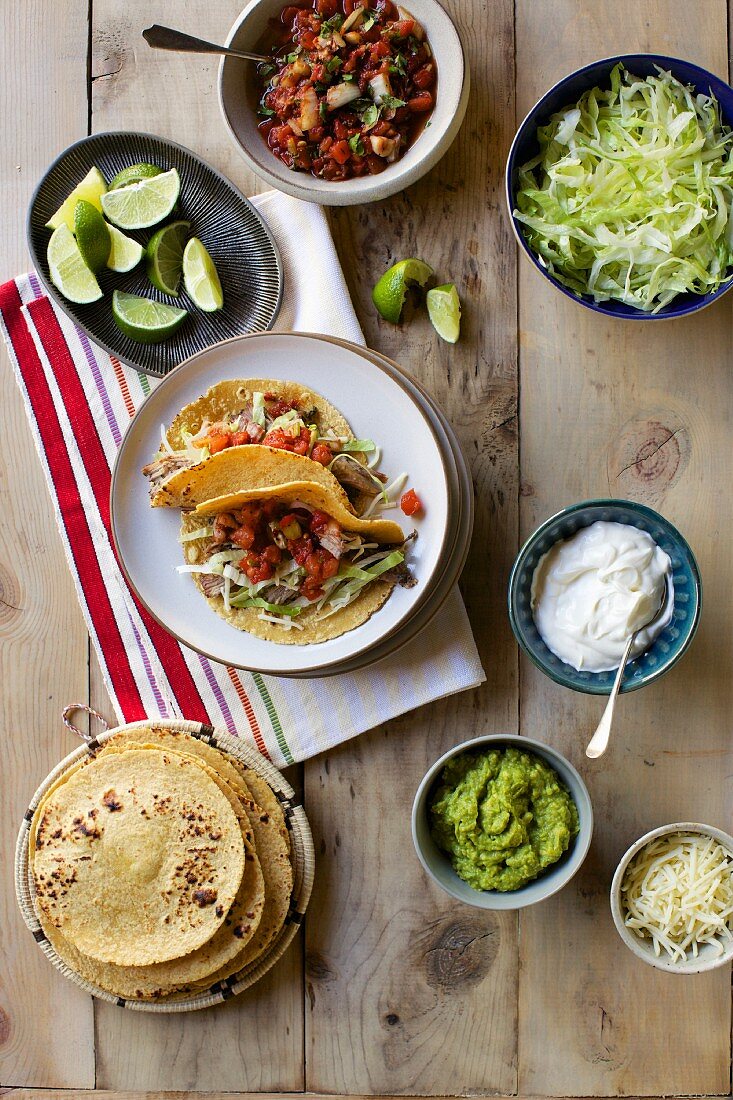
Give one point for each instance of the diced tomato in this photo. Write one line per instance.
(322, 453)
(301, 548)
(402, 28)
(311, 589)
(244, 536)
(421, 103)
(424, 78)
(261, 572)
(320, 565)
(240, 439)
(340, 152)
(319, 521)
(410, 503)
(218, 441)
(272, 554)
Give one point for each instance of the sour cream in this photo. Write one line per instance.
(591, 591)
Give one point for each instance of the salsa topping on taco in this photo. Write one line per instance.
(283, 557)
(283, 424)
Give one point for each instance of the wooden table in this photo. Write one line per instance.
(394, 988)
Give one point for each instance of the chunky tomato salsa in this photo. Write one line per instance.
(349, 88)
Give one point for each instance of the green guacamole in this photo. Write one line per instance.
(502, 816)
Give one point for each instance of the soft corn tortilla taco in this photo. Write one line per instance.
(314, 441)
(291, 564)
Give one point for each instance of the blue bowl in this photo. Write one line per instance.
(568, 91)
(667, 648)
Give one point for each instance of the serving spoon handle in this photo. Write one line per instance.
(166, 38)
(599, 741)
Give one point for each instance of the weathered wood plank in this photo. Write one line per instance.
(407, 991)
(101, 1094)
(597, 399)
(174, 95)
(46, 1027)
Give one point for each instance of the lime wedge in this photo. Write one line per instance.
(69, 273)
(124, 253)
(165, 257)
(389, 293)
(91, 188)
(92, 235)
(144, 320)
(200, 277)
(444, 310)
(140, 205)
(134, 174)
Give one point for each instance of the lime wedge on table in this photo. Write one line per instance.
(92, 235)
(69, 273)
(444, 310)
(201, 278)
(140, 205)
(144, 320)
(165, 257)
(389, 293)
(133, 174)
(124, 253)
(91, 189)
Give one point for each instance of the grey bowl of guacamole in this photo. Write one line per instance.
(502, 822)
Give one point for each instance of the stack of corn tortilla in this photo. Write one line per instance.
(161, 866)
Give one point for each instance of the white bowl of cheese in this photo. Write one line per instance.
(672, 898)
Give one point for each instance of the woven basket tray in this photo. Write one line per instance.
(302, 855)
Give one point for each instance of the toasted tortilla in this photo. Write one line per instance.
(236, 468)
(137, 857)
(312, 625)
(274, 851)
(230, 396)
(215, 476)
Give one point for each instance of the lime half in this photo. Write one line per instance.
(91, 189)
(144, 320)
(444, 310)
(124, 253)
(69, 273)
(92, 235)
(200, 277)
(133, 174)
(165, 257)
(389, 293)
(140, 205)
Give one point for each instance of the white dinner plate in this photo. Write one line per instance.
(461, 524)
(376, 405)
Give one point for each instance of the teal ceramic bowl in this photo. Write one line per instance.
(668, 647)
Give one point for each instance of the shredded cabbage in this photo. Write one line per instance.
(630, 195)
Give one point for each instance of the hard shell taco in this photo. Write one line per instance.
(235, 415)
(291, 563)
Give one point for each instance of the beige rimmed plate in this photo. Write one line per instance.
(302, 858)
(377, 404)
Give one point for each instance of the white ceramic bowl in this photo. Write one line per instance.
(237, 81)
(437, 864)
(708, 958)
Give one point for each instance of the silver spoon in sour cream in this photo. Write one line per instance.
(599, 741)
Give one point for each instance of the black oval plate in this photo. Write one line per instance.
(240, 244)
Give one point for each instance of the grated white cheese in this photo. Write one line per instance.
(678, 892)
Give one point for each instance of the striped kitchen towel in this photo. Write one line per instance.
(79, 401)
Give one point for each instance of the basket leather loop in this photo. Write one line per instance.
(84, 734)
